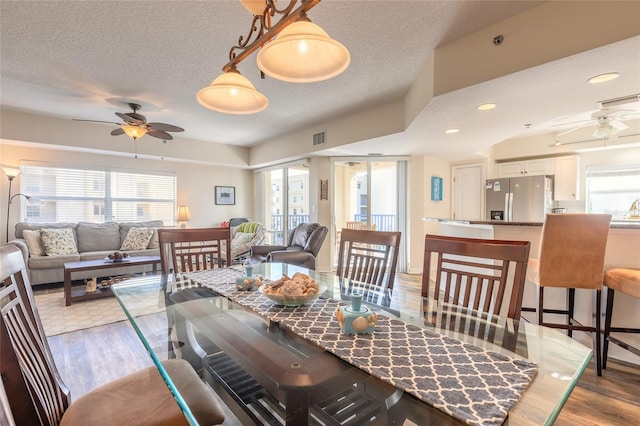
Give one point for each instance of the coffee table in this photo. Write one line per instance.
(76, 294)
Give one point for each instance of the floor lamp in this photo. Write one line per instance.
(11, 174)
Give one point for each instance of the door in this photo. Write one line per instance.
(373, 193)
(467, 192)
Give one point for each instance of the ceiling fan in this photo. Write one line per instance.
(136, 126)
(608, 121)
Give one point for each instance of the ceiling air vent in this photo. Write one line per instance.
(319, 138)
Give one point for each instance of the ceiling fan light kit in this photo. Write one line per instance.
(293, 49)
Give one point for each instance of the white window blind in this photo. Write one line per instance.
(613, 190)
(73, 195)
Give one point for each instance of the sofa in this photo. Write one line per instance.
(46, 247)
(244, 237)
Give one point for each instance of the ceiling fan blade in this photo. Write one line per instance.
(117, 132)
(165, 127)
(566, 132)
(618, 125)
(95, 121)
(160, 134)
(572, 122)
(131, 118)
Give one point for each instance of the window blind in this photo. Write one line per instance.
(67, 194)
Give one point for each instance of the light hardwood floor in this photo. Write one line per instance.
(89, 358)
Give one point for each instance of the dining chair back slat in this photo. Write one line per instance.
(476, 273)
(369, 257)
(196, 249)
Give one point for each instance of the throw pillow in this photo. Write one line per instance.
(34, 242)
(241, 238)
(58, 241)
(137, 238)
(154, 242)
(251, 227)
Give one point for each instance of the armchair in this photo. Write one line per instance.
(243, 237)
(304, 244)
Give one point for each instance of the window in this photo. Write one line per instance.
(613, 190)
(73, 195)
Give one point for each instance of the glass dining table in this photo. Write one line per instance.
(425, 362)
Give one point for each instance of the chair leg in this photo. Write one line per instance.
(598, 333)
(571, 302)
(540, 306)
(607, 326)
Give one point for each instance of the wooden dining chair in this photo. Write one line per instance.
(37, 395)
(476, 273)
(369, 257)
(571, 256)
(194, 249)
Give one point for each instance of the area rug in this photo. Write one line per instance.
(58, 319)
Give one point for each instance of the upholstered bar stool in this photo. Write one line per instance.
(626, 281)
(571, 256)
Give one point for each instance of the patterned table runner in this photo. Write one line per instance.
(471, 384)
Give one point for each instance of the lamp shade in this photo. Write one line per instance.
(255, 7)
(11, 172)
(183, 214)
(134, 132)
(232, 93)
(303, 53)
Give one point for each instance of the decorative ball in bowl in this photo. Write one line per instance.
(117, 256)
(300, 289)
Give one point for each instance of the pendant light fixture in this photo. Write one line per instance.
(232, 93)
(303, 53)
(293, 49)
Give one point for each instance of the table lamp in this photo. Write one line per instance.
(183, 216)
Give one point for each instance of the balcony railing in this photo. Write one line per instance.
(381, 222)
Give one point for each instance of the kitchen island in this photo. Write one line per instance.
(623, 251)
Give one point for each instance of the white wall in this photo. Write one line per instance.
(195, 182)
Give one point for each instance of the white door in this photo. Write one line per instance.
(467, 192)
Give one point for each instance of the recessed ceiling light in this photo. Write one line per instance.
(603, 77)
(486, 107)
(450, 131)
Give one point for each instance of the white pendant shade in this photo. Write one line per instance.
(303, 53)
(134, 132)
(255, 7)
(232, 93)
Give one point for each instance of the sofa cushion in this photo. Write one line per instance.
(58, 241)
(302, 233)
(21, 226)
(98, 236)
(34, 242)
(137, 238)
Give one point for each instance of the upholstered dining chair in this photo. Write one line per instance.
(37, 395)
(476, 273)
(194, 249)
(571, 256)
(369, 257)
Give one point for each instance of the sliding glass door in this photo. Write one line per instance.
(286, 203)
(370, 194)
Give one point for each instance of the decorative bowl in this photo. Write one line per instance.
(280, 299)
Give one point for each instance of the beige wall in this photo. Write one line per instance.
(195, 182)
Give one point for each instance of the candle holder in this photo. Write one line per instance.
(356, 319)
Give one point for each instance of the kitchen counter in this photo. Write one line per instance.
(622, 252)
(614, 225)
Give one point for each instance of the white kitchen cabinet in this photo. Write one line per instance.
(567, 178)
(540, 166)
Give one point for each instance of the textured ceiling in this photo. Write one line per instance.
(88, 59)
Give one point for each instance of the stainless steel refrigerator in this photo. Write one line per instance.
(519, 199)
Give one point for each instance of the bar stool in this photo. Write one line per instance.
(626, 281)
(571, 256)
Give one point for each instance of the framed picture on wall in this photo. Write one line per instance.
(225, 194)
